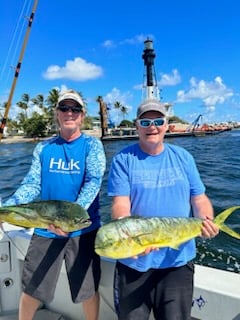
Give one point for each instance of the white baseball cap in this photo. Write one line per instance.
(71, 95)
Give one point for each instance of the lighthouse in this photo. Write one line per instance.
(150, 87)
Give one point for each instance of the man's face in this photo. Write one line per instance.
(151, 132)
(69, 115)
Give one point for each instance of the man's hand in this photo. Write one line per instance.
(146, 251)
(209, 229)
(57, 230)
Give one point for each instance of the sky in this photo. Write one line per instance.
(96, 47)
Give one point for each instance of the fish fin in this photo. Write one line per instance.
(230, 232)
(219, 221)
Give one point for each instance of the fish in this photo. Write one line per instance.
(130, 236)
(68, 216)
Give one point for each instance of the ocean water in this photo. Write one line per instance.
(217, 158)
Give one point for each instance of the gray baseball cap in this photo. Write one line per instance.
(151, 105)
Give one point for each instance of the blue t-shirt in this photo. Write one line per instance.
(159, 185)
(70, 171)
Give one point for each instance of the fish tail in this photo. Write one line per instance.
(219, 221)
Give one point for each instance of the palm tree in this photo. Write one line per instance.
(24, 104)
(52, 98)
(39, 101)
(124, 111)
(51, 101)
(118, 106)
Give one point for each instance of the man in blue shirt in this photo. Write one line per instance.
(67, 167)
(153, 178)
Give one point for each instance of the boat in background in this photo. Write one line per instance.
(199, 129)
(216, 292)
(175, 130)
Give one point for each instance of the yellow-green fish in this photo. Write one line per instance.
(130, 236)
(68, 216)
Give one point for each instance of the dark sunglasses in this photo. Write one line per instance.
(74, 109)
(145, 123)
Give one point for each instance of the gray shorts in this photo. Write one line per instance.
(43, 263)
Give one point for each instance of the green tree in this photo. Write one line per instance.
(47, 112)
(39, 102)
(176, 119)
(24, 103)
(12, 126)
(51, 101)
(21, 118)
(88, 123)
(118, 106)
(124, 111)
(35, 126)
(126, 123)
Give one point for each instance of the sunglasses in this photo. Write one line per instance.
(74, 109)
(145, 123)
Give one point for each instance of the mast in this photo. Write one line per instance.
(17, 70)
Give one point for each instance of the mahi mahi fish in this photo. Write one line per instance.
(68, 216)
(130, 236)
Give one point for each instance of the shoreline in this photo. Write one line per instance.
(94, 133)
(20, 139)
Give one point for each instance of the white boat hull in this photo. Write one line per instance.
(216, 292)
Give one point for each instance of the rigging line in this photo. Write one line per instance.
(17, 70)
(14, 41)
(25, 15)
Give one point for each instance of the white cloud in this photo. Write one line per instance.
(76, 70)
(170, 79)
(116, 95)
(140, 38)
(108, 44)
(211, 93)
(113, 96)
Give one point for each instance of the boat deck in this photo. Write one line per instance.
(216, 292)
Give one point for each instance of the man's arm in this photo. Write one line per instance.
(203, 209)
(121, 207)
(95, 168)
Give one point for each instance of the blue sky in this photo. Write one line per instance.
(96, 48)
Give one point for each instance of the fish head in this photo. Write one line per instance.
(107, 243)
(78, 223)
(115, 239)
(74, 217)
